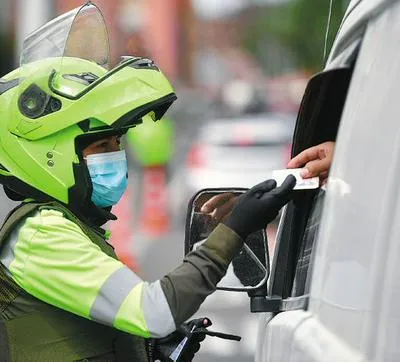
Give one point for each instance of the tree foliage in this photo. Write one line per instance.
(299, 26)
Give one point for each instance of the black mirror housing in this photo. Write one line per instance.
(250, 268)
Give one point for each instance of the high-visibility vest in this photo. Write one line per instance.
(43, 332)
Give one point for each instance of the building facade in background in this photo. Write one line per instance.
(197, 43)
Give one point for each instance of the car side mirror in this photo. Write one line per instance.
(250, 268)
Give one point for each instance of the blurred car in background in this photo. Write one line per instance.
(239, 152)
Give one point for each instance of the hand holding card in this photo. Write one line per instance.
(301, 183)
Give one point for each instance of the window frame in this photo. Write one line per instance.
(317, 121)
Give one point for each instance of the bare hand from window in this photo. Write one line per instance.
(316, 161)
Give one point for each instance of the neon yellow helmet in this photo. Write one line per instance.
(63, 95)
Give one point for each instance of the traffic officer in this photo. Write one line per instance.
(64, 296)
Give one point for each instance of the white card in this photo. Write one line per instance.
(301, 184)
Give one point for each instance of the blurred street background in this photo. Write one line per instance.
(239, 68)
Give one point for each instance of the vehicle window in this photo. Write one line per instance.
(318, 121)
(304, 261)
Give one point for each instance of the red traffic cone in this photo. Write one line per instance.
(154, 216)
(122, 232)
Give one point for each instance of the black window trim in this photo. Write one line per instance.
(333, 84)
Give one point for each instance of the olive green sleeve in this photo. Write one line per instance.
(189, 284)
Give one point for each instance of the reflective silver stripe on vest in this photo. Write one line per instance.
(112, 294)
(156, 310)
(7, 253)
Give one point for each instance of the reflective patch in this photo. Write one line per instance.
(112, 294)
(7, 254)
(156, 310)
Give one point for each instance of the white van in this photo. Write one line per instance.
(334, 284)
(341, 292)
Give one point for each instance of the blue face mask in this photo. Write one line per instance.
(109, 174)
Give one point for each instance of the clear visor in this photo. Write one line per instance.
(80, 33)
(65, 55)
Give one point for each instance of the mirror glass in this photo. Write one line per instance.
(250, 267)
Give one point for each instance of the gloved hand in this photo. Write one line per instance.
(182, 345)
(166, 349)
(259, 206)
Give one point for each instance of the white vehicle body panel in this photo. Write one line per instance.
(353, 313)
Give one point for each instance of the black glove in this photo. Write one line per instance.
(259, 206)
(167, 346)
(182, 345)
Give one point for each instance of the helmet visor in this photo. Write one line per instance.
(79, 33)
(67, 48)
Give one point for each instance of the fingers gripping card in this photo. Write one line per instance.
(301, 183)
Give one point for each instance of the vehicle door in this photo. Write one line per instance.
(325, 288)
(300, 221)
